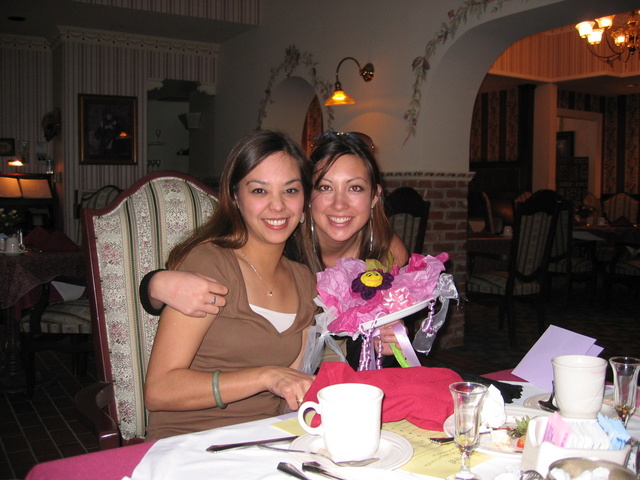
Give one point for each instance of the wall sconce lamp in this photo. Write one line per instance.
(15, 162)
(191, 121)
(341, 98)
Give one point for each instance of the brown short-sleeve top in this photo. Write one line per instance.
(238, 338)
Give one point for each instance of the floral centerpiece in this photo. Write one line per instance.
(357, 297)
(9, 220)
(584, 210)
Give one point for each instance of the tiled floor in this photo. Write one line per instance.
(47, 428)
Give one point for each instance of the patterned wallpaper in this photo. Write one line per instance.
(494, 133)
(494, 127)
(244, 11)
(621, 137)
(94, 63)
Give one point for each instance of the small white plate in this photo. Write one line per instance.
(380, 321)
(485, 446)
(393, 452)
(607, 405)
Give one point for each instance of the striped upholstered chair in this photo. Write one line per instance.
(533, 233)
(124, 242)
(573, 264)
(621, 205)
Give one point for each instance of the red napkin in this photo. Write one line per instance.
(417, 394)
(53, 242)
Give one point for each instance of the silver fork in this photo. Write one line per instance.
(345, 463)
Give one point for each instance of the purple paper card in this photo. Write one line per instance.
(536, 366)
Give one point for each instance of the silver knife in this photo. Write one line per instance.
(315, 467)
(227, 446)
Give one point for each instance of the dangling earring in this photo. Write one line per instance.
(371, 231)
(313, 234)
(302, 218)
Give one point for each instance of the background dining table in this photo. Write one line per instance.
(21, 282)
(488, 251)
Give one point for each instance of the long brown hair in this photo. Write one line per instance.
(329, 147)
(226, 228)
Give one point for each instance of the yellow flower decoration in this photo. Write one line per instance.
(372, 278)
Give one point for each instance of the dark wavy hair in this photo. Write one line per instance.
(226, 228)
(329, 147)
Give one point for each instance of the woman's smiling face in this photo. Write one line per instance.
(271, 199)
(341, 202)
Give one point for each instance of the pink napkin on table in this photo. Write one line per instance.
(52, 242)
(417, 394)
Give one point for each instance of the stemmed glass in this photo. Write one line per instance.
(468, 398)
(625, 385)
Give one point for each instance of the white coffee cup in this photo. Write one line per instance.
(12, 246)
(579, 385)
(508, 231)
(350, 420)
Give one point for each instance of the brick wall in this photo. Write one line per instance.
(446, 232)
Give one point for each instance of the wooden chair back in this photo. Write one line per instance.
(408, 213)
(97, 199)
(621, 205)
(535, 226)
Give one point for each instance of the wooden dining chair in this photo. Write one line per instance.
(624, 268)
(523, 197)
(621, 205)
(93, 199)
(63, 325)
(534, 229)
(565, 261)
(123, 243)
(408, 213)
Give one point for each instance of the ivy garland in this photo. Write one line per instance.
(293, 59)
(421, 65)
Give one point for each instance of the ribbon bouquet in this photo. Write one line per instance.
(357, 297)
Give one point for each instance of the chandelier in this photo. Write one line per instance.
(620, 42)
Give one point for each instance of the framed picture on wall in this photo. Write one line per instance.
(564, 144)
(108, 130)
(7, 147)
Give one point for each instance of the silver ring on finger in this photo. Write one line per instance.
(213, 302)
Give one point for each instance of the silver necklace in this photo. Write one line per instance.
(254, 269)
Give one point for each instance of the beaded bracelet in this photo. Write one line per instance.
(216, 390)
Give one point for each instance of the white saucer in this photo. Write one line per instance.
(513, 413)
(393, 452)
(392, 317)
(12, 254)
(607, 405)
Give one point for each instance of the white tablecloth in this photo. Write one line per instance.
(185, 456)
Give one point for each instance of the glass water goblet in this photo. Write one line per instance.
(625, 385)
(468, 398)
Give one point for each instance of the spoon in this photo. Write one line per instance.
(547, 405)
(344, 463)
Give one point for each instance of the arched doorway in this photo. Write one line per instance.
(295, 110)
